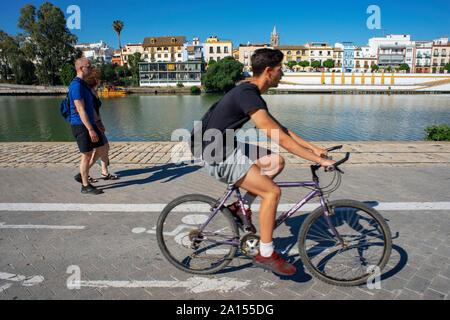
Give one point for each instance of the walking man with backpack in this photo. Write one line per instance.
(84, 128)
(235, 163)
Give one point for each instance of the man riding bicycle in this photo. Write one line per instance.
(250, 167)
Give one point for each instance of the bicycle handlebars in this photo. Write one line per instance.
(338, 163)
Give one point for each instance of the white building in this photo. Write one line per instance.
(391, 50)
(422, 56)
(193, 51)
(98, 50)
(216, 50)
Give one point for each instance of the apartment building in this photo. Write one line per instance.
(440, 55)
(163, 49)
(216, 49)
(129, 50)
(295, 53)
(319, 51)
(422, 57)
(193, 51)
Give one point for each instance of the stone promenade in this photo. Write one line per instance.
(51, 234)
(143, 154)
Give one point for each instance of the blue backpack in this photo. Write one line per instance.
(64, 106)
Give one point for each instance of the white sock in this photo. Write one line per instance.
(248, 199)
(266, 249)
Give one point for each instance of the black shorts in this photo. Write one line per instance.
(83, 138)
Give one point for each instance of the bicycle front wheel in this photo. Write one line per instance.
(364, 247)
(188, 243)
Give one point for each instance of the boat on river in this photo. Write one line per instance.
(112, 91)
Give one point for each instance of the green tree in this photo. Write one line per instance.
(223, 75)
(304, 64)
(375, 68)
(23, 70)
(315, 64)
(46, 40)
(291, 64)
(133, 63)
(447, 66)
(404, 66)
(67, 73)
(118, 26)
(9, 48)
(329, 63)
(108, 73)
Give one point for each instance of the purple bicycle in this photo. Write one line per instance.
(342, 242)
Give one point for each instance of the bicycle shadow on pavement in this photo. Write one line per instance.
(390, 269)
(163, 173)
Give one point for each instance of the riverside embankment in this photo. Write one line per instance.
(145, 154)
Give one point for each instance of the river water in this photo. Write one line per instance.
(313, 117)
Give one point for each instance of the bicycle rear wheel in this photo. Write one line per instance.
(367, 243)
(185, 246)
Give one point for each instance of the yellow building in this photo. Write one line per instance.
(295, 53)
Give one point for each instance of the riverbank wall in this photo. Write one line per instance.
(298, 83)
(149, 154)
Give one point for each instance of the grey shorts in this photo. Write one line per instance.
(234, 168)
(237, 164)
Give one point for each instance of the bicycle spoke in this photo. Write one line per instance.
(195, 247)
(364, 244)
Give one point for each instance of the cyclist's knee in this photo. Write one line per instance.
(273, 193)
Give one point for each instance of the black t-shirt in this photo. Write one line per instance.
(231, 112)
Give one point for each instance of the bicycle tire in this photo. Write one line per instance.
(172, 248)
(325, 247)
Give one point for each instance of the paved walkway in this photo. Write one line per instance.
(50, 233)
(143, 154)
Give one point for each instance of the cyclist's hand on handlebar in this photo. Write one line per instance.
(319, 152)
(326, 162)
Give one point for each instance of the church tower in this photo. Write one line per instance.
(274, 37)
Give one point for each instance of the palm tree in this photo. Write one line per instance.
(118, 26)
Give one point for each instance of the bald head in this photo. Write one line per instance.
(83, 67)
(81, 62)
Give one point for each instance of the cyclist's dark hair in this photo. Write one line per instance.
(265, 57)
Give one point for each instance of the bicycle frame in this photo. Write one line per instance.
(316, 192)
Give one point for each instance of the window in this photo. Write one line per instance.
(225, 50)
(298, 52)
(211, 50)
(173, 40)
(288, 52)
(218, 49)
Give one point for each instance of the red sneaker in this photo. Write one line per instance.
(274, 263)
(239, 215)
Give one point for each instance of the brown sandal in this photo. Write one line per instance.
(92, 180)
(109, 176)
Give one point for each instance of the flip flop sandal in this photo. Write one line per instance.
(92, 180)
(109, 176)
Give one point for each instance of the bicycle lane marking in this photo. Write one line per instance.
(158, 207)
(194, 284)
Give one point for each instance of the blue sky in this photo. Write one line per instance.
(298, 22)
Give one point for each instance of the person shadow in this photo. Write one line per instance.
(163, 173)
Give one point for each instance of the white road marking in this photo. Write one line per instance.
(26, 281)
(158, 207)
(194, 284)
(37, 226)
